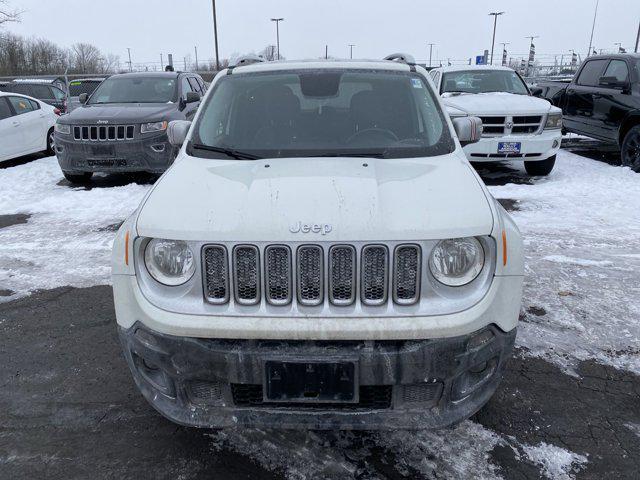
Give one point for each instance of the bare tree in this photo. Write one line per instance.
(7, 15)
(269, 53)
(86, 58)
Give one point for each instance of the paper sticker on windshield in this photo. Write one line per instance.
(416, 83)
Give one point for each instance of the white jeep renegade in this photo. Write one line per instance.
(516, 125)
(321, 255)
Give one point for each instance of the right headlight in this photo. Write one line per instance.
(457, 261)
(170, 262)
(554, 121)
(63, 129)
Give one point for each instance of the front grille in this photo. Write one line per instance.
(497, 126)
(104, 133)
(374, 274)
(368, 273)
(278, 274)
(374, 397)
(342, 276)
(310, 275)
(216, 274)
(406, 274)
(205, 393)
(246, 270)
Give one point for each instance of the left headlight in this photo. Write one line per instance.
(63, 129)
(170, 262)
(153, 127)
(457, 261)
(554, 121)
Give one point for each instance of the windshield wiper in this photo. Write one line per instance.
(230, 152)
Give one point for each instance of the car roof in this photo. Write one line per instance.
(470, 68)
(615, 56)
(12, 94)
(147, 75)
(322, 64)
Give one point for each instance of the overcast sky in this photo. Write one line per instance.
(460, 29)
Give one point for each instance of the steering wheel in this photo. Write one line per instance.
(374, 133)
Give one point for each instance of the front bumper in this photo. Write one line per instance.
(402, 384)
(151, 153)
(533, 147)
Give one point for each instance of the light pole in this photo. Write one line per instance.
(430, 52)
(215, 34)
(277, 20)
(638, 39)
(495, 23)
(130, 65)
(351, 48)
(593, 27)
(504, 51)
(196, 49)
(530, 60)
(161, 62)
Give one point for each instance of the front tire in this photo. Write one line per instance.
(630, 151)
(541, 168)
(51, 143)
(78, 178)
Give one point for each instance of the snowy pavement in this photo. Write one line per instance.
(582, 236)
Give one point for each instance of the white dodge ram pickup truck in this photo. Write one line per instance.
(517, 126)
(320, 255)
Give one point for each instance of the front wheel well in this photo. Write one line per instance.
(627, 125)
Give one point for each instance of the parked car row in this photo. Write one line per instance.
(602, 101)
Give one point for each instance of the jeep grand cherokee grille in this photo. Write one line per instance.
(104, 133)
(299, 274)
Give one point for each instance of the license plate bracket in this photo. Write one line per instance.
(311, 381)
(114, 162)
(509, 147)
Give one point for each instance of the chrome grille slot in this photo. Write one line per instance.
(278, 274)
(310, 275)
(374, 280)
(406, 274)
(216, 272)
(246, 272)
(526, 124)
(104, 133)
(342, 275)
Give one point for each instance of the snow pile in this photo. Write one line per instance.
(581, 227)
(557, 463)
(68, 238)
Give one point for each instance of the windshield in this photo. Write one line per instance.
(483, 81)
(136, 90)
(321, 113)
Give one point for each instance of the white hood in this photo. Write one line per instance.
(497, 103)
(264, 200)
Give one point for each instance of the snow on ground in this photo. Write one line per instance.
(581, 227)
(462, 452)
(68, 238)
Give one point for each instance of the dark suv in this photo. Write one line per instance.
(122, 126)
(43, 91)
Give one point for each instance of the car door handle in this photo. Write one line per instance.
(16, 124)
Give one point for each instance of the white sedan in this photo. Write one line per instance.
(26, 126)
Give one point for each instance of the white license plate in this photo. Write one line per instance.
(509, 147)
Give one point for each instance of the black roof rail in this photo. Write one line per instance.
(401, 57)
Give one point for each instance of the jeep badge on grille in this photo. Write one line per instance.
(322, 228)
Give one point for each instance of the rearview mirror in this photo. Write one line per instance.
(177, 132)
(611, 82)
(192, 97)
(468, 129)
(83, 98)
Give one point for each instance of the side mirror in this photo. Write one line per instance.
(468, 129)
(177, 132)
(83, 98)
(611, 82)
(192, 97)
(536, 91)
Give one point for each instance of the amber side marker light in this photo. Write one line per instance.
(504, 248)
(126, 249)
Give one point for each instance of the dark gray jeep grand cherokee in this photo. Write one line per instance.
(122, 126)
